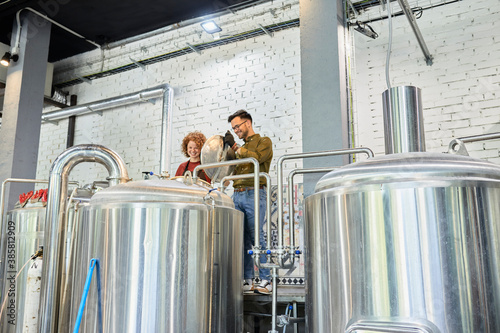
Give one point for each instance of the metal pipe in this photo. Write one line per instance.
(164, 90)
(256, 171)
(257, 252)
(281, 160)
(403, 120)
(268, 199)
(53, 22)
(457, 146)
(290, 193)
(109, 103)
(285, 320)
(413, 23)
(229, 10)
(295, 314)
(480, 137)
(274, 301)
(55, 220)
(166, 128)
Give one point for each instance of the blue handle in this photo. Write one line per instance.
(93, 264)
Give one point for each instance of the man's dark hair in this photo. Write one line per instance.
(240, 113)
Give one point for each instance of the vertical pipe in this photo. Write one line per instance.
(295, 315)
(166, 129)
(55, 221)
(70, 138)
(403, 120)
(275, 300)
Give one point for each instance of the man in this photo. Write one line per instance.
(261, 149)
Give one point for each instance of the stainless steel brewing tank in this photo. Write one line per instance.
(405, 243)
(24, 235)
(170, 259)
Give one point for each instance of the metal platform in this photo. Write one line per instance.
(286, 294)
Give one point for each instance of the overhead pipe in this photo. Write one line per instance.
(108, 103)
(413, 23)
(55, 220)
(282, 255)
(163, 90)
(231, 9)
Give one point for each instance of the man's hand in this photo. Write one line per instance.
(229, 139)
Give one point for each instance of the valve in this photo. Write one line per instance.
(146, 174)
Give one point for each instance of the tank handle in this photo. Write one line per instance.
(457, 146)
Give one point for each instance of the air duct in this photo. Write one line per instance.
(146, 95)
(105, 104)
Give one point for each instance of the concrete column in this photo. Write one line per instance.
(324, 83)
(23, 104)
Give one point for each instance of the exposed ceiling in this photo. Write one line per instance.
(106, 21)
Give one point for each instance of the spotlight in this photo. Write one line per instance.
(7, 57)
(211, 27)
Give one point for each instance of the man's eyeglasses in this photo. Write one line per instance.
(238, 126)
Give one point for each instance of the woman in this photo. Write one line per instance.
(191, 147)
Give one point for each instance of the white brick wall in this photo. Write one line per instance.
(261, 75)
(460, 91)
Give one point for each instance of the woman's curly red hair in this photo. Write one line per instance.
(196, 137)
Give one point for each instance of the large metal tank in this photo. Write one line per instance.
(23, 237)
(170, 259)
(405, 243)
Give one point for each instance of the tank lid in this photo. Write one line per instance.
(160, 190)
(407, 167)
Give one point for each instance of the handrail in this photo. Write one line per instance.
(292, 248)
(457, 146)
(255, 182)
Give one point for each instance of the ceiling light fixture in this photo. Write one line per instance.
(366, 30)
(211, 27)
(7, 57)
